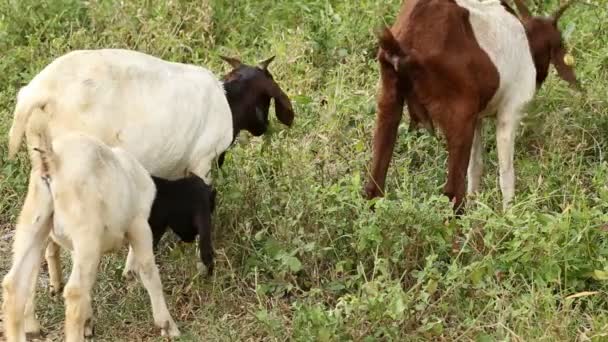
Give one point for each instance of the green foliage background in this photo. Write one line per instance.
(299, 255)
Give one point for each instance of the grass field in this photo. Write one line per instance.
(299, 255)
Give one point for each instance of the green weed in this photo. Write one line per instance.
(299, 254)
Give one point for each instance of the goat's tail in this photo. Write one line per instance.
(27, 102)
(388, 43)
(39, 139)
(392, 52)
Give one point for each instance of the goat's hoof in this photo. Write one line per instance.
(370, 191)
(54, 290)
(129, 275)
(33, 331)
(170, 330)
(205, 268)
(33, 335)
(32, 328)
(89, 329)
(201, 268)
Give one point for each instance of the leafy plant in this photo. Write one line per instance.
(300, 255)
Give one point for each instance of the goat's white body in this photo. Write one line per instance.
(94, 200)
(89, 186)
(174, 118)
(502, 36)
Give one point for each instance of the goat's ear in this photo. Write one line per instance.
(523, 10)
(564, 69)
(234, 62)
(282, 104)
(264, 64)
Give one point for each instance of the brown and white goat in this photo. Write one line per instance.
(91, 199)
(455, 62)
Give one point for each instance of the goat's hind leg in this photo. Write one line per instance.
(140, 239)
(19, 284)
(32, 326)
(53, 262)
(77, 291)
(158, 230)
(130, 271)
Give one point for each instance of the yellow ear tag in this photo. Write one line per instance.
(568, 60)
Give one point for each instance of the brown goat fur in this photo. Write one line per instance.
(546, 44)
(432, 61)
(249, 90)
(435, 91)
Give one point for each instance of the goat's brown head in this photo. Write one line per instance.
(546, 44)
(249, 90)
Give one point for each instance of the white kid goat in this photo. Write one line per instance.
(91, 199)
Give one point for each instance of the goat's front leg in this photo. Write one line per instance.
(505, 139)
(460, 139)
(77, 291)
(475, 170)
(53, 262)
(140, 239)
(390, 110)
(203, 223)
(19, 284)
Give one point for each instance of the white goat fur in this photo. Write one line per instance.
(502, 36)
(91, 199)
(173, 118)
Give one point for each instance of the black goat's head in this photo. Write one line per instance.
(249, 90)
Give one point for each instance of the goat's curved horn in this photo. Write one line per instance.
(264, 64)
(561, 11)
(234, 62)
(523, 10)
